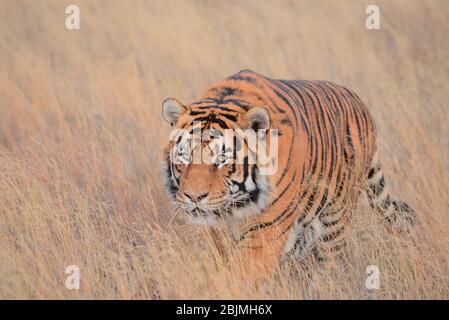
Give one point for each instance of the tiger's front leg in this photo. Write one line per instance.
(323, 238)
(256, 261)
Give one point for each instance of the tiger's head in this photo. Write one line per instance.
(212, 167)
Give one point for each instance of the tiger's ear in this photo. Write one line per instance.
(258, 118)
(172, 109)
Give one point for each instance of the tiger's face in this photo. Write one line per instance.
(212, 172)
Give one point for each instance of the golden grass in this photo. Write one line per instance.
(81, 138)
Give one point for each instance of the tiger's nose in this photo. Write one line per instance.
(195, 197)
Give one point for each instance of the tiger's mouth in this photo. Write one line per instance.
(202, 216)
(223, 209)
(197, 212)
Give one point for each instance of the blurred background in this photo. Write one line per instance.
(81, 137)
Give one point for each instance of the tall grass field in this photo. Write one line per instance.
(81, 140)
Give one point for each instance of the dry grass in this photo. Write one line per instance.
(81, 138)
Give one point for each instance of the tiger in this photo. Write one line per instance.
(327, 155)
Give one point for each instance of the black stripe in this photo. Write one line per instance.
(333, 235)
(377, 188)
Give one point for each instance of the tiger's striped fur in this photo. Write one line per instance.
(327, 156)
